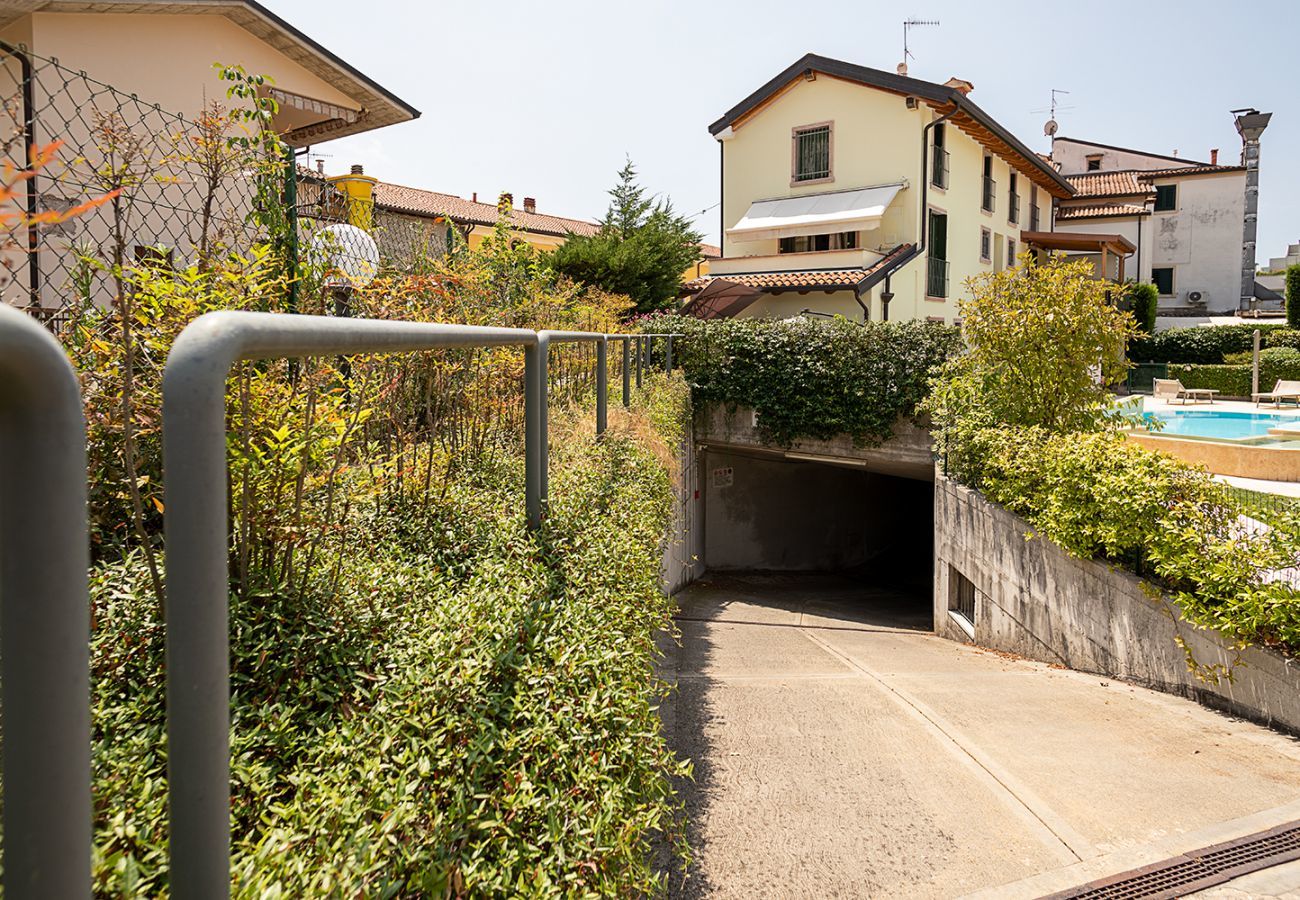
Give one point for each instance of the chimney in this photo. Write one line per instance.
(530, 204)
(505, 202)
(960, 85)
(320, 166)
(357, 169)
(1250, 125)
(474, 197)
(1214, 156)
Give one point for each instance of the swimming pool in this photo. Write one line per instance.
(1222, 424)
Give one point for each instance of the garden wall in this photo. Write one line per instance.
(1035, 600)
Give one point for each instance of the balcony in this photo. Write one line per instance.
(1033, 218)
(1013, 214)
(990, 194)
(936, 280)
(939, 163)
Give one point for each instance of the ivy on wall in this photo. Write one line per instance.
(812, 378)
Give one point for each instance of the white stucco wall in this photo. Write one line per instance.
(1201, 239)
(1073, 158)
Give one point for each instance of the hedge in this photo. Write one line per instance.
(1205, 345)
(471, 713)
(812, 378)
(1234, 379)
(1293, 296)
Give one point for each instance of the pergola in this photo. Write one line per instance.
(1104, 245)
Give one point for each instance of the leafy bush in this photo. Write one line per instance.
(1099, 496)
(467, 709)
(1207, 345)
(1234, 379)
(1281, 337)
(1141, 299)
(811, 378)
(1293, 296)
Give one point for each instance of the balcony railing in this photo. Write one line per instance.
(936, 282)
(939, 177)
(990, 194)
(1013, 214)
(1033, 218)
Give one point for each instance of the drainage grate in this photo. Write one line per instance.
(1197, 870)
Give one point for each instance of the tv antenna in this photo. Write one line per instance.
(1051, 127)
(907, 54)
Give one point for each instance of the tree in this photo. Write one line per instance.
(641, 250)
(1293, 296)
(1043, 347)
(1141, 299)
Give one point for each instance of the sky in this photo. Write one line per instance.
(548, 100)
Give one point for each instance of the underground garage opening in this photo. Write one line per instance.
(800, 515)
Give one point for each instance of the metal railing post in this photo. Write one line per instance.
(197, 539)
(640, 359)
(668, 353)
(602, 385)
(627, 372)
(45, 606)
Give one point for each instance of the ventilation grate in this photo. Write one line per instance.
(1197, 870)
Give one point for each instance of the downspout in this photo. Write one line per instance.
(29, 138)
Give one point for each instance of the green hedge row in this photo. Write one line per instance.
(471, 712)
(1234, 379)
(1208, 346)
(809, 377)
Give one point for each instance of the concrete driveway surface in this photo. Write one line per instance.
(842, 751)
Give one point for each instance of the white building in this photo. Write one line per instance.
(1186, 219)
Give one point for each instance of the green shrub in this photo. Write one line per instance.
(466, 709)
(1099, 496)
(1281, 337)
(1228, 380)
(1141, 299)
(1207, 345)
(812, 378)
(1293, 296)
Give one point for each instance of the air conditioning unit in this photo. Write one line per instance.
(1196, 298)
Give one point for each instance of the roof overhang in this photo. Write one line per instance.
(1078, 242)
(967, 115)
(860, 209)
(377, 106)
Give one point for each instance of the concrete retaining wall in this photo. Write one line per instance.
(684, 543)
(1035, 600)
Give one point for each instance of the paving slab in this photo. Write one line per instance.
(840, 752)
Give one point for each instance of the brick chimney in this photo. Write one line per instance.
(358, 169)
(960, 85)
(530, 204)
(1250, 125)
(505, 202)
(1214, 156)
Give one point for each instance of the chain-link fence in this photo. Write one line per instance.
(183, 192)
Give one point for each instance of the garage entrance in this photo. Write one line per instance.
(770, 513)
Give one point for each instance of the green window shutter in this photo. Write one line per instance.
(1166, 197)
(938, 235)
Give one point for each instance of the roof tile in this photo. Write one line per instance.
(819, 279)
(1116, 183)
(1099, 211)
(419, 202)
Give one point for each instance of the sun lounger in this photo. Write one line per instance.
(1283, 390)
(1171, 389)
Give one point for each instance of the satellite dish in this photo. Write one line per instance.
(1050, 128)
(348, 254)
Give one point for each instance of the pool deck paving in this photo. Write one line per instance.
(841, 750)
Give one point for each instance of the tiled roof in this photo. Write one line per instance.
(816, 279)
(1174, 171)
(419, 202)
(709, 251)
(1099, 211)
(1119, 183)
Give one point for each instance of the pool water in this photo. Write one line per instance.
(1218, 424)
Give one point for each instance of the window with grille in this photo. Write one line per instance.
(1013, 199)
(986, 245)
(1011, 251)
(961, 595)
(990, 186)
(812, 153)
(813, 243)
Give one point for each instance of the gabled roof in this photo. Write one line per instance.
(1177, 159)
(969, 117)
(1183, 171)
(431, 204)
(380, 106)
(1115, 183)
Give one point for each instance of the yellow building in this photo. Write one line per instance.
(852, 191)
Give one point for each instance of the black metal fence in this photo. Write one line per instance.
(183, 191)
(1141, 376)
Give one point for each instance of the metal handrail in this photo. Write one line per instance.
(989, 201)
(936, 277)
(939, 174)
(195, 528)
(45, 606)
